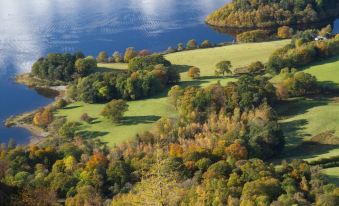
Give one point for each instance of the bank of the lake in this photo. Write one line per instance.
(31, 29)
(52, 90)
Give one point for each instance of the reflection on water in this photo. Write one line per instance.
(234, 31)
(30, 29)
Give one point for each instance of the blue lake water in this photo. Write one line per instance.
(30, 29)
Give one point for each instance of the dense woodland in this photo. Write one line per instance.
(273, 13)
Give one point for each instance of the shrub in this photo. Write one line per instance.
(284, 32)
(205, 44)
(117, 57)
(86, 118)
(43, 117)
(144, 53)
(102, 57)
(130, 53)
(180, 47)
(69, 129)
(194, 72)
(256, 67)
(60, 103)
(191, 44)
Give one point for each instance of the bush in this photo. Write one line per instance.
(284, 32)
(205, 44)
(180, 47)
(60, 103)
(86, 118)
(191, 44)
(102, 57)
(116, 57)
(43, 117)
(130, 53)
(144, 53)
(115, 109)
(69, 129)
(194, 72)
(256, 67)
(253, 36)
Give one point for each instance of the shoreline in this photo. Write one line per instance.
(24, 120)
(239, 29)
(21, 121)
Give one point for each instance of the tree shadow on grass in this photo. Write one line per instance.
(298, 146)
(193, 83)
(329, 87)
(309, 149)
(298, 106)
(71, 107)
(294, 132)
(319, 63)
(91, 134)
(333, 179)
(134, 120)
(181, 68)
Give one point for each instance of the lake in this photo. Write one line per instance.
(30, 29)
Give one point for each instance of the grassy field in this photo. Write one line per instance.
(311, 125)
(326, 72)
(239, 55)
(333, 174)
(140, 117)
(143, 114)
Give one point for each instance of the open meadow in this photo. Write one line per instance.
(311, 125)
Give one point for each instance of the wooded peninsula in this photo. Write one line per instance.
(273, 13)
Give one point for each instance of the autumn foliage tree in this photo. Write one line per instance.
(284, 32)
(191, 44)
(102, 57)
(130, 53)
(194, 72)
(43, 117)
